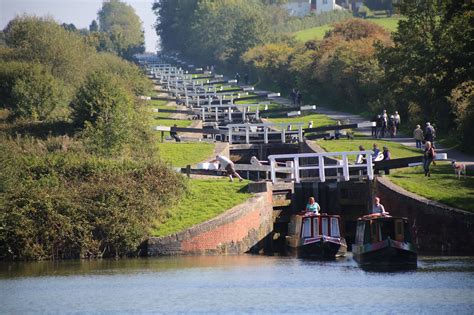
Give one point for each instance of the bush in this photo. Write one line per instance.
(104, 110)
(57, 201)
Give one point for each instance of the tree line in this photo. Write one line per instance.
(424, 69)
(80, 175)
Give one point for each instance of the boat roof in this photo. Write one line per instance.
(380, 216)
(312, 214)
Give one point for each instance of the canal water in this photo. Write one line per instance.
(236, 284)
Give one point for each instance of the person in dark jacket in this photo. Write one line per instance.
(428, 158)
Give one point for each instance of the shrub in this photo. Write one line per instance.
(57, 201)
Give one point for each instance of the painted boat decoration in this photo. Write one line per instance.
(384, 241)
(315, 236)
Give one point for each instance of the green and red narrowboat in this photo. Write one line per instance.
(315, 236)
(384, 241)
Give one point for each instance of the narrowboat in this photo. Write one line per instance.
(384, 241)
(315, 236)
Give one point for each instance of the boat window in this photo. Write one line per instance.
(316, 226)
(360, 233)
(399, 230)
(334, 227)
(407, 230)
(306, 228)
(388, 230)
(366, 232)
(374, 231)
(324, 226)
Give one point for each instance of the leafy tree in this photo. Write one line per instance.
(432, 55)
(124, 27)
(43, 41)
(36, 94)
(104, 110)
(94, 27)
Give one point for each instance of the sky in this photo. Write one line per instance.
(79, 12)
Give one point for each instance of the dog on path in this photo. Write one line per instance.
(459, 169)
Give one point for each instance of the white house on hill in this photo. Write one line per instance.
(305, 7)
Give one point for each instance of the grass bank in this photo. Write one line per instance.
(205, 200)
(180, 154)
(442, 186)
(389, 23)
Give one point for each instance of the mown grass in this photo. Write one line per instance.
(180, 154)
(389, 23)
(163, 119)
(443, 186)
(317, 119)
(205, 200)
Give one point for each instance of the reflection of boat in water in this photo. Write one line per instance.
(384, 241)
(315, 236)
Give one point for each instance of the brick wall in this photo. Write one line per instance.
(236, 231)
(439, 229)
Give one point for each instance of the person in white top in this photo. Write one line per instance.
(228, 165)
(378, 207)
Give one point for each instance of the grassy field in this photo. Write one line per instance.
(442, 186)
(207, 199)
(317, 119)
(389, 23)
(182, 154)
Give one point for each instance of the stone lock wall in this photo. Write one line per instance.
(238, 230)
(439, 229)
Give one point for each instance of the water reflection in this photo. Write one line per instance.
(235, 284)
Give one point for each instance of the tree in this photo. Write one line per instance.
(43, 41)
(36, 94)
(432, 54)
(124, 27)
(104, 110)
(94, 27)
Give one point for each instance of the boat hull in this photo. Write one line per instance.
(319, 249)
(386, 254)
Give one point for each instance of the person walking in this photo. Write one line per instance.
(428, 158)
(293, 96)
(237, 77)
(299, 98)
(392, 129)
(430, 133)
(384, 118)
(387, 156)
(418, 136)
(374, 128)
(228, 165)
(397, 118)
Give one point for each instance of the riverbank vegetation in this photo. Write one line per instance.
(80, 173)
(202, 202)
(423, 69)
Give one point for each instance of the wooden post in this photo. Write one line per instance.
(188, 170)
(162, 136)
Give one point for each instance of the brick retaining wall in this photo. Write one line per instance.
(440, 229)
(236, 231)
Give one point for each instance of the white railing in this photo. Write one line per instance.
(256, 130)
(342, 164)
